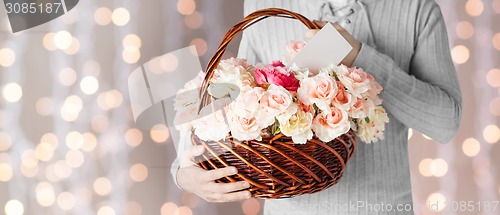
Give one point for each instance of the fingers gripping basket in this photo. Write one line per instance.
(275, 167)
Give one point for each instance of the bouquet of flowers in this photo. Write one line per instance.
(284, 99)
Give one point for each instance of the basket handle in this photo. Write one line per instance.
(248, 21)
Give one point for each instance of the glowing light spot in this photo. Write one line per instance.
(495, 106)
(425, 167)
(251, 207)
(6, 141)
(201, 46)
(74, 140)
(89, 85)
(471, 147)
(186, 7)
(74, 158)
(437, 199)
(67, 76)
(45, 194)
(183, 210)
(48, 41)
(29, 158)
(132, 40)
(102, 186)
(7, 57)
(5, 172)
(44, 151)
(464, 30)
(63, 40)
(491, 134)
(120, 16)
(133, 208)
(106, 210)
(66, 201)
(12, 92)
(50, 139)
(159, 133)
(439, 167)
(102, 16)
(89, 142)
(44, 106)
(493, 77)
(74, 47)
(138, 172)
(133, 137)
(194, 21)
(14, 207)
(460, 54)
(131, 54)
(110, 99)
(168, 208)
(169, 62)
(496, 41)
(71, 108)
(474, 7)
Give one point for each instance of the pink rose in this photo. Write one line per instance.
(277, 64)
(354, 79)
(275, 101)
(359, 109)
(244, 127)
(247, 103)
(319, 90)
(292, 48)
(276, 75)
(330, 125)
(343, 100)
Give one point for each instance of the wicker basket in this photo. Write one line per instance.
(275, 167)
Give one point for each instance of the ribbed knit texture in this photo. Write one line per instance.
(405, 47)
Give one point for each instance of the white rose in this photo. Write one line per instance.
(371, 129)
(298, 126)
(244, 127)
(212, 126)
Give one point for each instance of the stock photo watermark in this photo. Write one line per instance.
(26, 14)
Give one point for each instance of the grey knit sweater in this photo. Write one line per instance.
(405, 47)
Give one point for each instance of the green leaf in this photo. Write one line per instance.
(367, 120)
(277, 131)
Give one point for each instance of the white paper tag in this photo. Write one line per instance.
(328, 46)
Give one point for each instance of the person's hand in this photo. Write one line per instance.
(356, 45)
(201, 182)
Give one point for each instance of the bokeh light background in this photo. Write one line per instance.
(68, 144)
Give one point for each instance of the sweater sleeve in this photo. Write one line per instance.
(427, 98)
(183, 144)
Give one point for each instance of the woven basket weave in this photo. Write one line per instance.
(275, 167)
